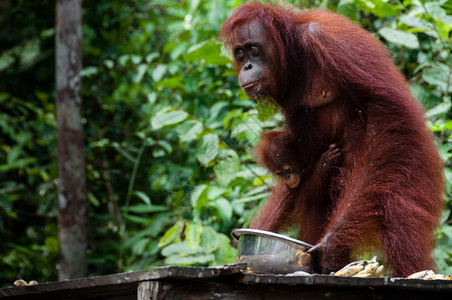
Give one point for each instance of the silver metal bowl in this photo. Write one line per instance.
(269, 252)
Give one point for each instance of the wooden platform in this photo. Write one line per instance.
(230, 282)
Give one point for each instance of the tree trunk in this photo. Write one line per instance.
(72, 210)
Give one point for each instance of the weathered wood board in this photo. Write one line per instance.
(230, 282)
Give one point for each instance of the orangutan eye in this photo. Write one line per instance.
(287, 169)
(239, 54)
(287, 176)
(254, 51)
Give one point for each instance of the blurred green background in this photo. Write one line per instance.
(168, 134)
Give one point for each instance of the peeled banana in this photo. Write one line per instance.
(21, 282)
(429, 275)
(361, 268)
(371, 268)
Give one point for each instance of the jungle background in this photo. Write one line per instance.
(168, 134)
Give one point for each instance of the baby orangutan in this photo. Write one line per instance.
(280, 153)
(303, 187)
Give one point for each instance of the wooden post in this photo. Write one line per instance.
(72, 211)
(144, 290)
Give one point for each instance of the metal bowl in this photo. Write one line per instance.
(269, 252)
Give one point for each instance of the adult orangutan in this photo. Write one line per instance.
(336, 84)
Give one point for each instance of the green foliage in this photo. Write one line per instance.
(168, 133)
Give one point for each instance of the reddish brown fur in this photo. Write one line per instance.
(391, 183)
(277, 149)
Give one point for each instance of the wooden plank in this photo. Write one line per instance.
(327, 280)
(191, 290)
(118, 283)
(229, 282)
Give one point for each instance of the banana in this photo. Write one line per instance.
(379, 271)
(349, 270)
(303, 258)
(429, 275)
(420, 274)
(369, 269)
(438, 276)
(361, 268)
(20, 282)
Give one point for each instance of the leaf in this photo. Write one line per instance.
(225, 254)
(208, 52)
(440, 125)
(444, 151)
(445, 215)
(158, 153)
(175, 82)
(136, 219)
(439, 75)
(141, 70)
(150, 57)
(159, 72)
(209, 240)
(193, 234)
(442, 20)
(440, 109)
(224, 208)
(228, 166)
(165, 145)
(379, 8)
(142, 196)
(196, 194)
(207, 149)
(194, 6)
(30, 52)
(171, 234)
(425, 95)
(348, 9)
(266, 110)
(215, 192)
(247, 128)
(399, 37)
(89, 71)
(139, 246)
(251, 198)
(189, 130)
(448, 177)
(180, 248)
(20, 163)
(109, 63)
(419, 24)
(178, 49)
(144, 208)
(52, 245)
(5, 202)
(168, 118)
(93, 200)
(216, 109)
